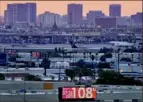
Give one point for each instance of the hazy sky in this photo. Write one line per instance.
(128, 7)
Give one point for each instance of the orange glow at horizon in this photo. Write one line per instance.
(60, 7)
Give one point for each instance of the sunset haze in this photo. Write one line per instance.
(127, 7)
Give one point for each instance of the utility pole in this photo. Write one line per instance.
(24, 97)
(118, 52)
(59, 73)
(118, 62)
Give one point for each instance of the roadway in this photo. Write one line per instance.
(51, 47)
(53, 97)
(126, 93)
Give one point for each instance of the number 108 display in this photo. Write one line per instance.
(77, 93)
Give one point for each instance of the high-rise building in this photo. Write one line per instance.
(91, 15)
(74, 14)
(48, 19)
(11, 14)
(20, 13)
(115, 10)
(41, 19)
(64, 20)
(6, 22)
(137, 18)
(1, 20)
(31, 12)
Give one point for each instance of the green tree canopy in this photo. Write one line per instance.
(126, 59)
(92, 57)
(114, 78)
(81, 63)
(45, 64)
(103, 65)
(131, 50)
(106, 50)
(103, 58)
(32, 78)
(70, 73)
(2, 77)
(108, 55)
(80, 70)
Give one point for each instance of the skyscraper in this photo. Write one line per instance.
(1, 20)
(74, 14)
(115, 10)
(64, 18)
(31, 12)
(6, 22)
(20, 13)
(47, 19)
(11, 14)
(137, 18)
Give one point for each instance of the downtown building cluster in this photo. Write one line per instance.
(75, 18)
(26, 15)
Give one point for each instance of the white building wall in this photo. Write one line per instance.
(47, 19)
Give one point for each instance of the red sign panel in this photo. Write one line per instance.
(36, 54)
(79, 93)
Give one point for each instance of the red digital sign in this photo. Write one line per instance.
(78, 93)
(36, 54)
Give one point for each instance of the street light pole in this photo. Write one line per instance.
(118, 62)
(59, 73)
(24, 98)
(118, 52)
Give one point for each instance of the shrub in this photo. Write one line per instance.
(32, 78)
(2, 77)
(104, 65)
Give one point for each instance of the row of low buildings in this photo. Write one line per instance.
(126, 68)
(89, 22)
(48, 19)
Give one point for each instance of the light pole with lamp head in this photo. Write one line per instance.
(117, 51)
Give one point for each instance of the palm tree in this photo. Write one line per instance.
(2, 77)
(82, 69)
(92, 57)
(132, 57)
(70, 73)
(80, 66)
(90, 53)
(59, 49)
(96, 56)
(63, 52)
(84, 55)
(70, 55)
(46, 64)
(56, 50)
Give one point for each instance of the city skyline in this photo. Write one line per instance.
(127, 7)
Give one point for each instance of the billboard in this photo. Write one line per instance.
(3, 59)
(77, 94)
(36, 54)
